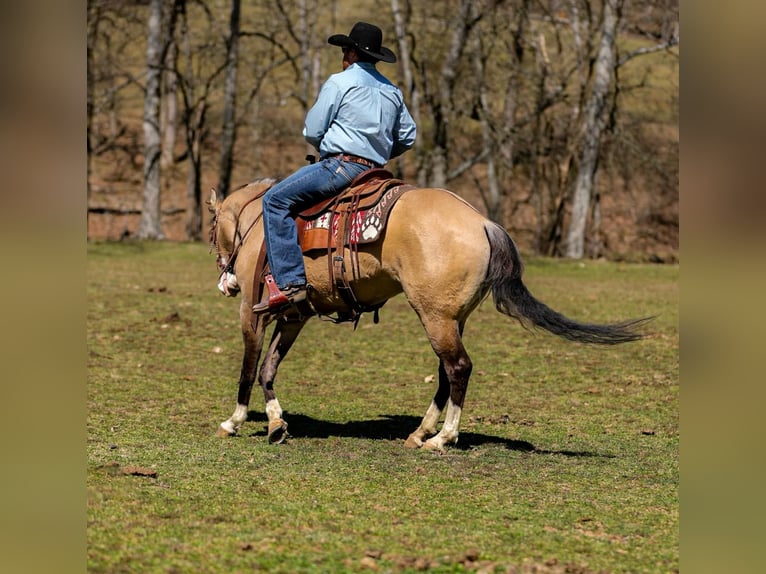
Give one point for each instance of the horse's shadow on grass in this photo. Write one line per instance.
(398, 427)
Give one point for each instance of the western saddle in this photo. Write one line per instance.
(356, 216)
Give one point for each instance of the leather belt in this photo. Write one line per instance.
(354, 158)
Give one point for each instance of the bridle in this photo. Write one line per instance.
(226, 264)
(224, 261)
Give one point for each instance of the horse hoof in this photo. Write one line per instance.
(413, 442)
(277, 431)
(430, 445)
(222, 432)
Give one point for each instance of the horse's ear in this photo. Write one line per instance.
(213, 201)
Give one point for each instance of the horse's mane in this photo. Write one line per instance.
(245, 192)
(240, 197)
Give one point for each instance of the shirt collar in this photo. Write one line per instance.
(364, 65)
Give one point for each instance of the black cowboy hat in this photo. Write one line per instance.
(366, 38)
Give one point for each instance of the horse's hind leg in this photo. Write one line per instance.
(253, 343)
(283, 338)
(454, 371)
(427, 427)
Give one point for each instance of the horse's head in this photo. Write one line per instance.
(223, 235)
(234, 217)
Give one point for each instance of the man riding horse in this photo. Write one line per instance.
(358, 122)
(444, 270)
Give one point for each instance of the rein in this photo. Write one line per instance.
(229, 267)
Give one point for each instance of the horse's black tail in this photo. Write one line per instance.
(512, 298)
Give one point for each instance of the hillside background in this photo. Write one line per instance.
(499, 89)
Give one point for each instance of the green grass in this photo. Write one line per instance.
(567, 459)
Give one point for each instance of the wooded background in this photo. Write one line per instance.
(556, 118)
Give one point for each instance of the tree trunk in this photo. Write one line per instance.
(442, 102)
(537, 160)
(410, 87)
(150, 226)
(94, 18)
(517, 52)
(493, 198)
(593, 125)
(194, 184)
(306, 25)
(194, 122)
(229, 131)
(170, 109)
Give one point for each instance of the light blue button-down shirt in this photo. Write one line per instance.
(360, 112)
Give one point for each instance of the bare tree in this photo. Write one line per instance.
(514, 46)
(593, 125)
(94, 19)
(195, 91)
(440, 101)
(229, 131)
(502, 78)
(505, 94)
(170, 107)
(112, 87)
(307, 20)
(492, 196)
(410, 89)
(264, 54)
(302, 35)
(150, 224)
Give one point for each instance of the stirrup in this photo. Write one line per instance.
(279, 300)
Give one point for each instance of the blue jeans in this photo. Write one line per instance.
(286, 199)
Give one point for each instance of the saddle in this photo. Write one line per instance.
(356, 216)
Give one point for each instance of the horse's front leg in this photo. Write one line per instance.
(253, 345)
(283, 338)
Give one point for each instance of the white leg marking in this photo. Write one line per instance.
(452, 421)
(450, 428)
(235, 421)
(273, 410)
(427, 426)
(431, 419)
(227, 284)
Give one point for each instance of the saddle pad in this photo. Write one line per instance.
(365, 225)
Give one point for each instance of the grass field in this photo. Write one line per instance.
(567, 460)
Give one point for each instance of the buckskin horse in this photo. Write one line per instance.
(435, 248)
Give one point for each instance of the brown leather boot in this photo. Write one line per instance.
(280, 300)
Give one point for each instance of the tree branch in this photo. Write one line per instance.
(648, 50)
